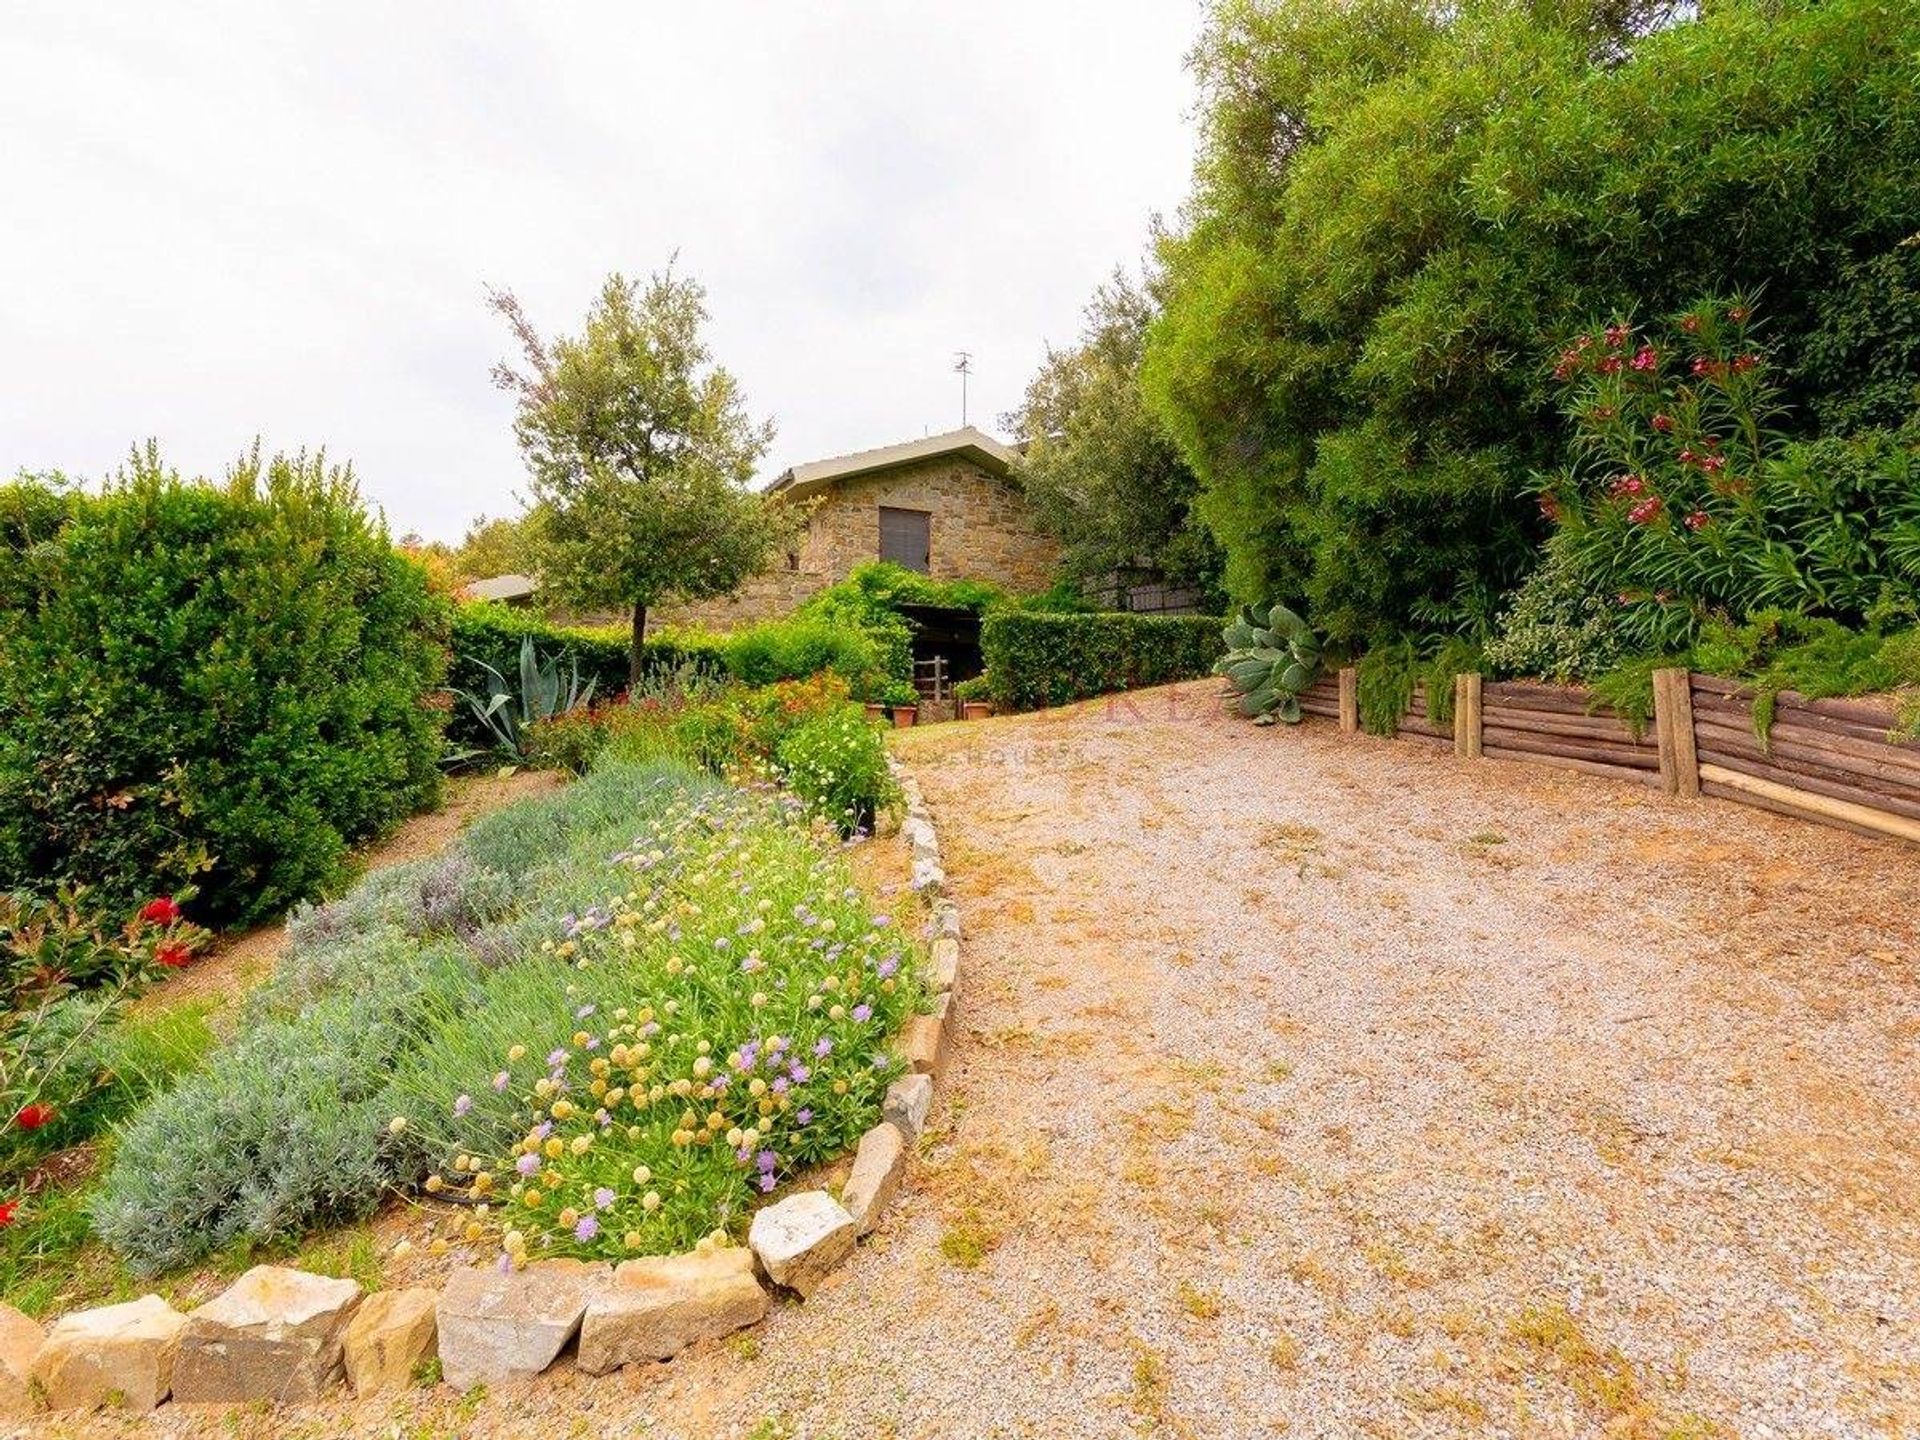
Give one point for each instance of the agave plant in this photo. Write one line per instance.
(544, 693)
(1272, 655)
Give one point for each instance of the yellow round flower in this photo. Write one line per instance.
(518, 1052)
(650, 1202)
(641, 1174)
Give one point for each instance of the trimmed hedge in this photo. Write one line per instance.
(218, 685)
(1037, 659)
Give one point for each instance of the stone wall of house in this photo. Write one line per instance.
(981, 530)
(765, 597)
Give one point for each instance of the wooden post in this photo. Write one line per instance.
(1349, 698)
(1673, 728)
(1466, 715)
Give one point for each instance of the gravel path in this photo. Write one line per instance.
(1313, 1085)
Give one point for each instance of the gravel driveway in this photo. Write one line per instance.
(1314, 1085)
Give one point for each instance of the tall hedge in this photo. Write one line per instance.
(1035, 660)
(1404, 210)
(218, 684)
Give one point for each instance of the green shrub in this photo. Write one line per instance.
(836, 763)
(284, 1130)
(798, 648)
(1039, 659)
(869, 601)
(223, 685)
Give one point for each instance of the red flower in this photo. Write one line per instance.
(1627, 485)
(1645, 358)
(1738, 314)
(7, 1207)
(1743, 363)
(173, 955)
(32, 1117)
(1713, 464)
(1663, 423)
(1699, 520)
(1646, 511)
(1550, 507)
(1609, 366)
(1617, 335)
(161, 912)
(1690, 324)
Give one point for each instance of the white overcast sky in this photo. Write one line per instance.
(218, 220)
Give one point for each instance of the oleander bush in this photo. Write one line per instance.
(220, 685)
(1039, 659)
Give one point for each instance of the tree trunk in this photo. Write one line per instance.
(637, 650)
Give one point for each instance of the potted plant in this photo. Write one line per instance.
(975, 698)
(904, 701)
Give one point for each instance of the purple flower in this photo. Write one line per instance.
(503, 1265)
(500, 1081)
(803, 1115)
(779, 1086)
(766, 1159)
(767, 1182)
(583, 1012)
(543, 1129)
(586, 1229)
(800, 1073)
(462, 1105)
(863, 1012)
(602, 1198)
(527, 1164)
(888, 966)
(880, 922)
(557, 1058)
(822, 1048)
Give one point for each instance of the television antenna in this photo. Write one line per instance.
(963, 366)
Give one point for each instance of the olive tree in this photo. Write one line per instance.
(639, 450)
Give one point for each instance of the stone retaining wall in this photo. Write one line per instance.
(282, 1336)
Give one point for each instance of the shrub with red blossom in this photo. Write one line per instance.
(1683, 506)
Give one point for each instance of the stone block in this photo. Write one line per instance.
(907, 1102)
(389, 1336)
(20, 1340)
(274, 1334)
(119, 1355)
(659, 1305)
(800, 1240)
(508, 1324)
(878, 1166)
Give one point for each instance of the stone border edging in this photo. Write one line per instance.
(279, 1335)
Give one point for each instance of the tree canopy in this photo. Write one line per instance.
(1401, 212)
(639, 450)
(1099, 471)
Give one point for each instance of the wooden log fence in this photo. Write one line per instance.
(1829, 761)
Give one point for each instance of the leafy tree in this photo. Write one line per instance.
(1402, 211)
(639, 450)
(507, 545)
(1099, 471)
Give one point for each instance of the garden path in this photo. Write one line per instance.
(1324, 1085)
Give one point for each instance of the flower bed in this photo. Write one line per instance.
(828, 974)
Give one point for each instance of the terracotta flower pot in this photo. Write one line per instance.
(876, 712)
(976, 709)
(904, 716)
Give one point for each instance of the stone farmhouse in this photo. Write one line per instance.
(948, 506)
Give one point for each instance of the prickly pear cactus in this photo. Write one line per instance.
(1272, 655)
